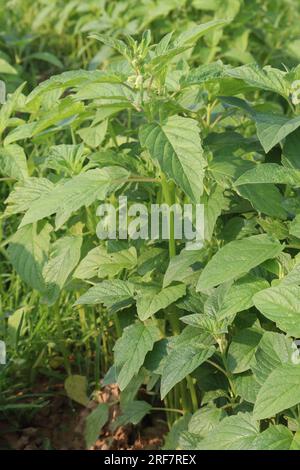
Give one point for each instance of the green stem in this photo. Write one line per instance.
(168, 189)
(193, 393)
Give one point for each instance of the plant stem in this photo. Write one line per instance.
(168, 189)
(193, 393)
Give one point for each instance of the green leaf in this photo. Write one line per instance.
(131, 349)
(13, 162)
(295, 227)
(25, 192)
(276, 437)
(112, 263)
(273, 350)
(281, 304)
(237, 258)
(290, 152)
(93, 136)
(270, 173)
(76, 386)
(47, 57)
(240, 295)
(233, 433)
(267, 78)
(117, 44)
(89, 265)
(182, 266)
(71, 79)
(132, 412)
(28, 251)
(241, 350)
(272, 128)
(67, 159)
(246, 386)
(99, 262)
(203, 74)
(115, 295)
(176, 145)
(81, 190)
(279, 392)
(205, 420)
(5, 67)
(94, 423)
(193, 34)
(148, 304)
(189, 350)
(64, 256)
(173, 437)
(265, 198)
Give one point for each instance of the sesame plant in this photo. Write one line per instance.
(207, 333)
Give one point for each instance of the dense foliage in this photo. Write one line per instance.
(209, 114)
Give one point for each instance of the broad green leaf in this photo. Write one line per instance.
(63, 110)
(237, 258)
(267, 78)
(109, 93)
(10, 105)
(151, 259)
(81, 190)
(281, 304)
(215, 203)
(13, 162)
(273, 350)
(132, 412)
(93, 136)
(5, 67)
(233, 433)
(246, 386)
(76, 387)
(189, 351)
(183, 266)
(64, 256)
(203, 74)
(112, 263)
(296, 441)
(242, 349)
(46, 57)
(94, 423)
(188, 440)
(239, 296)
(272, 128)
(270, 173)
(290, 151)
(99, 262)
(295, 227)
(21, 132)
(28, 251)
(176, 145)
(265, 198)
(172, 439)
(117, 44)
(193, 34)
(71, 79)
(89, 265)
(279, 392)
(25, 192)
(131, 349)
(67, 159)
(205, 420)
(114, 294)
(148, 304)
(276, 437)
